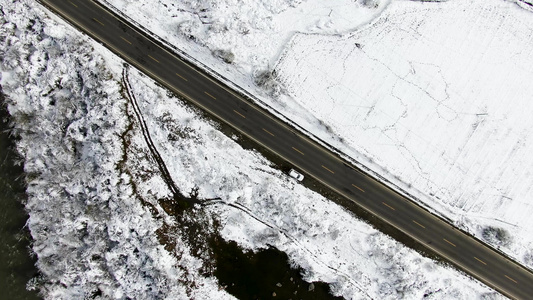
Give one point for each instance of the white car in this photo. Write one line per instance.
(296, 175)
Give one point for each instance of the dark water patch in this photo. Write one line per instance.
(263, 275)
(17, 266)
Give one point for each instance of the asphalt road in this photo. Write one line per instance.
(465, 252)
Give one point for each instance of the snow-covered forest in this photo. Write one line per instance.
(103, 214)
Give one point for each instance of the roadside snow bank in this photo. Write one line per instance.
(431, 95)
(242, 39)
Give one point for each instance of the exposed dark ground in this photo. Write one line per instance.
(263, 275)
(16, 265)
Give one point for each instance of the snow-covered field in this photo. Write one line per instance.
(438, 95)
(433, 96)
(93, 189)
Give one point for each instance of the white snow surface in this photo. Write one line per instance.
(431, 96)
(240, 26)
(93, 236)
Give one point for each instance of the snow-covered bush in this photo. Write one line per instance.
(496, 236)
(92, 236)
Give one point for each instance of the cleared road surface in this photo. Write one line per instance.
(313, 160)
